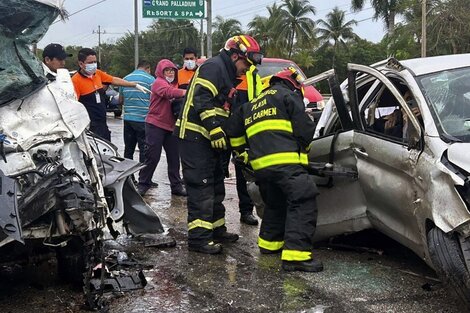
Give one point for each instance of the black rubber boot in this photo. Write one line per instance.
(210, 248)
(179, 191)
(303, 266)
(142, 189)
(225, 237)
(249, 219)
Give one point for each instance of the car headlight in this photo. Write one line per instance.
(321, 104)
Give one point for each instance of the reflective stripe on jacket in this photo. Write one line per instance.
(251, 84)
(275, 127)
(203, 104)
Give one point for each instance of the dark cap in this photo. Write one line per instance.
(54, 50)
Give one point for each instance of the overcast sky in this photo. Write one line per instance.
(116, 17)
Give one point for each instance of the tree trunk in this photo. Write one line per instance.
(334, 54)
(291, 42)
(391, 22)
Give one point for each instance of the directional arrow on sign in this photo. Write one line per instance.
(173, 9)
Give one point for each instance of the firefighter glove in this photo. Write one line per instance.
(218, 139)
(242, 157)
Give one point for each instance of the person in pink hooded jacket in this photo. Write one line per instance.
(159, 125)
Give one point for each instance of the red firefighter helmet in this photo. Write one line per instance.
(291, 75)
(246, 47)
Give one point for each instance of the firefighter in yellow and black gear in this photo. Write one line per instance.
(199, 127)
(273, 134)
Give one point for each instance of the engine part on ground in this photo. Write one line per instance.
(115, 272)
(157, 240)
(120, 284)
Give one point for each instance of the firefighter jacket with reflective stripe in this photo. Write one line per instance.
(208, 91)
(249, 87)
(274, 127)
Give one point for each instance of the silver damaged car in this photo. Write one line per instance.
(403, 129)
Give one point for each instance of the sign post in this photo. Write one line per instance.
(185, 9)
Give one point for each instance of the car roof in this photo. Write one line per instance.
(423, 66)
(277, 60)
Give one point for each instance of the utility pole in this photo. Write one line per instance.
(423, 29)
(209, 28)
(202, 37)
(136, 34)
(99, 32)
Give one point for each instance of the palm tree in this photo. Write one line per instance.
(266, 30)
(223, 30)
(336, 29)
(294, 15)
(260, 30)
(384, 9)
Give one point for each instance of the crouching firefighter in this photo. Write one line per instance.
(202, 140)
(272, 133)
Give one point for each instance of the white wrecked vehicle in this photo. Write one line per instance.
(59, 188)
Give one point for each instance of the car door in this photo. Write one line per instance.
(386, 164)
(341, 203)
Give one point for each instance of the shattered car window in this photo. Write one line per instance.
(448, 93)
(21, 24)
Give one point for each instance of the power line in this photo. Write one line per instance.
(81, 10)
(238, 5)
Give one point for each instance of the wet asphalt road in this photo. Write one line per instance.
(369, 273)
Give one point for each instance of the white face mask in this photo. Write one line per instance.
(169, 79)
(190, 64)
(91, 68)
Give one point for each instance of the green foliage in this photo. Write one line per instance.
(360, 51)
(299, 26)
(223, 30)
(336, 31)
(386, 10)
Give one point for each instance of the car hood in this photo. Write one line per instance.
(458, 154)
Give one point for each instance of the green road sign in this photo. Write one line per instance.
(188, 9)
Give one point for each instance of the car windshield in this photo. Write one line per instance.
(270, 68)
(448, 94)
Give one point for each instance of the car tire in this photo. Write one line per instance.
(117, 113)
(71, 262)
(446, 255)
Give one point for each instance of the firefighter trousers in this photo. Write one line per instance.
(290, 215)
(204, 179)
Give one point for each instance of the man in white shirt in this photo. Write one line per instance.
(53, 58)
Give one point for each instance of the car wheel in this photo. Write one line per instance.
(446, 255)
(71, 262)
